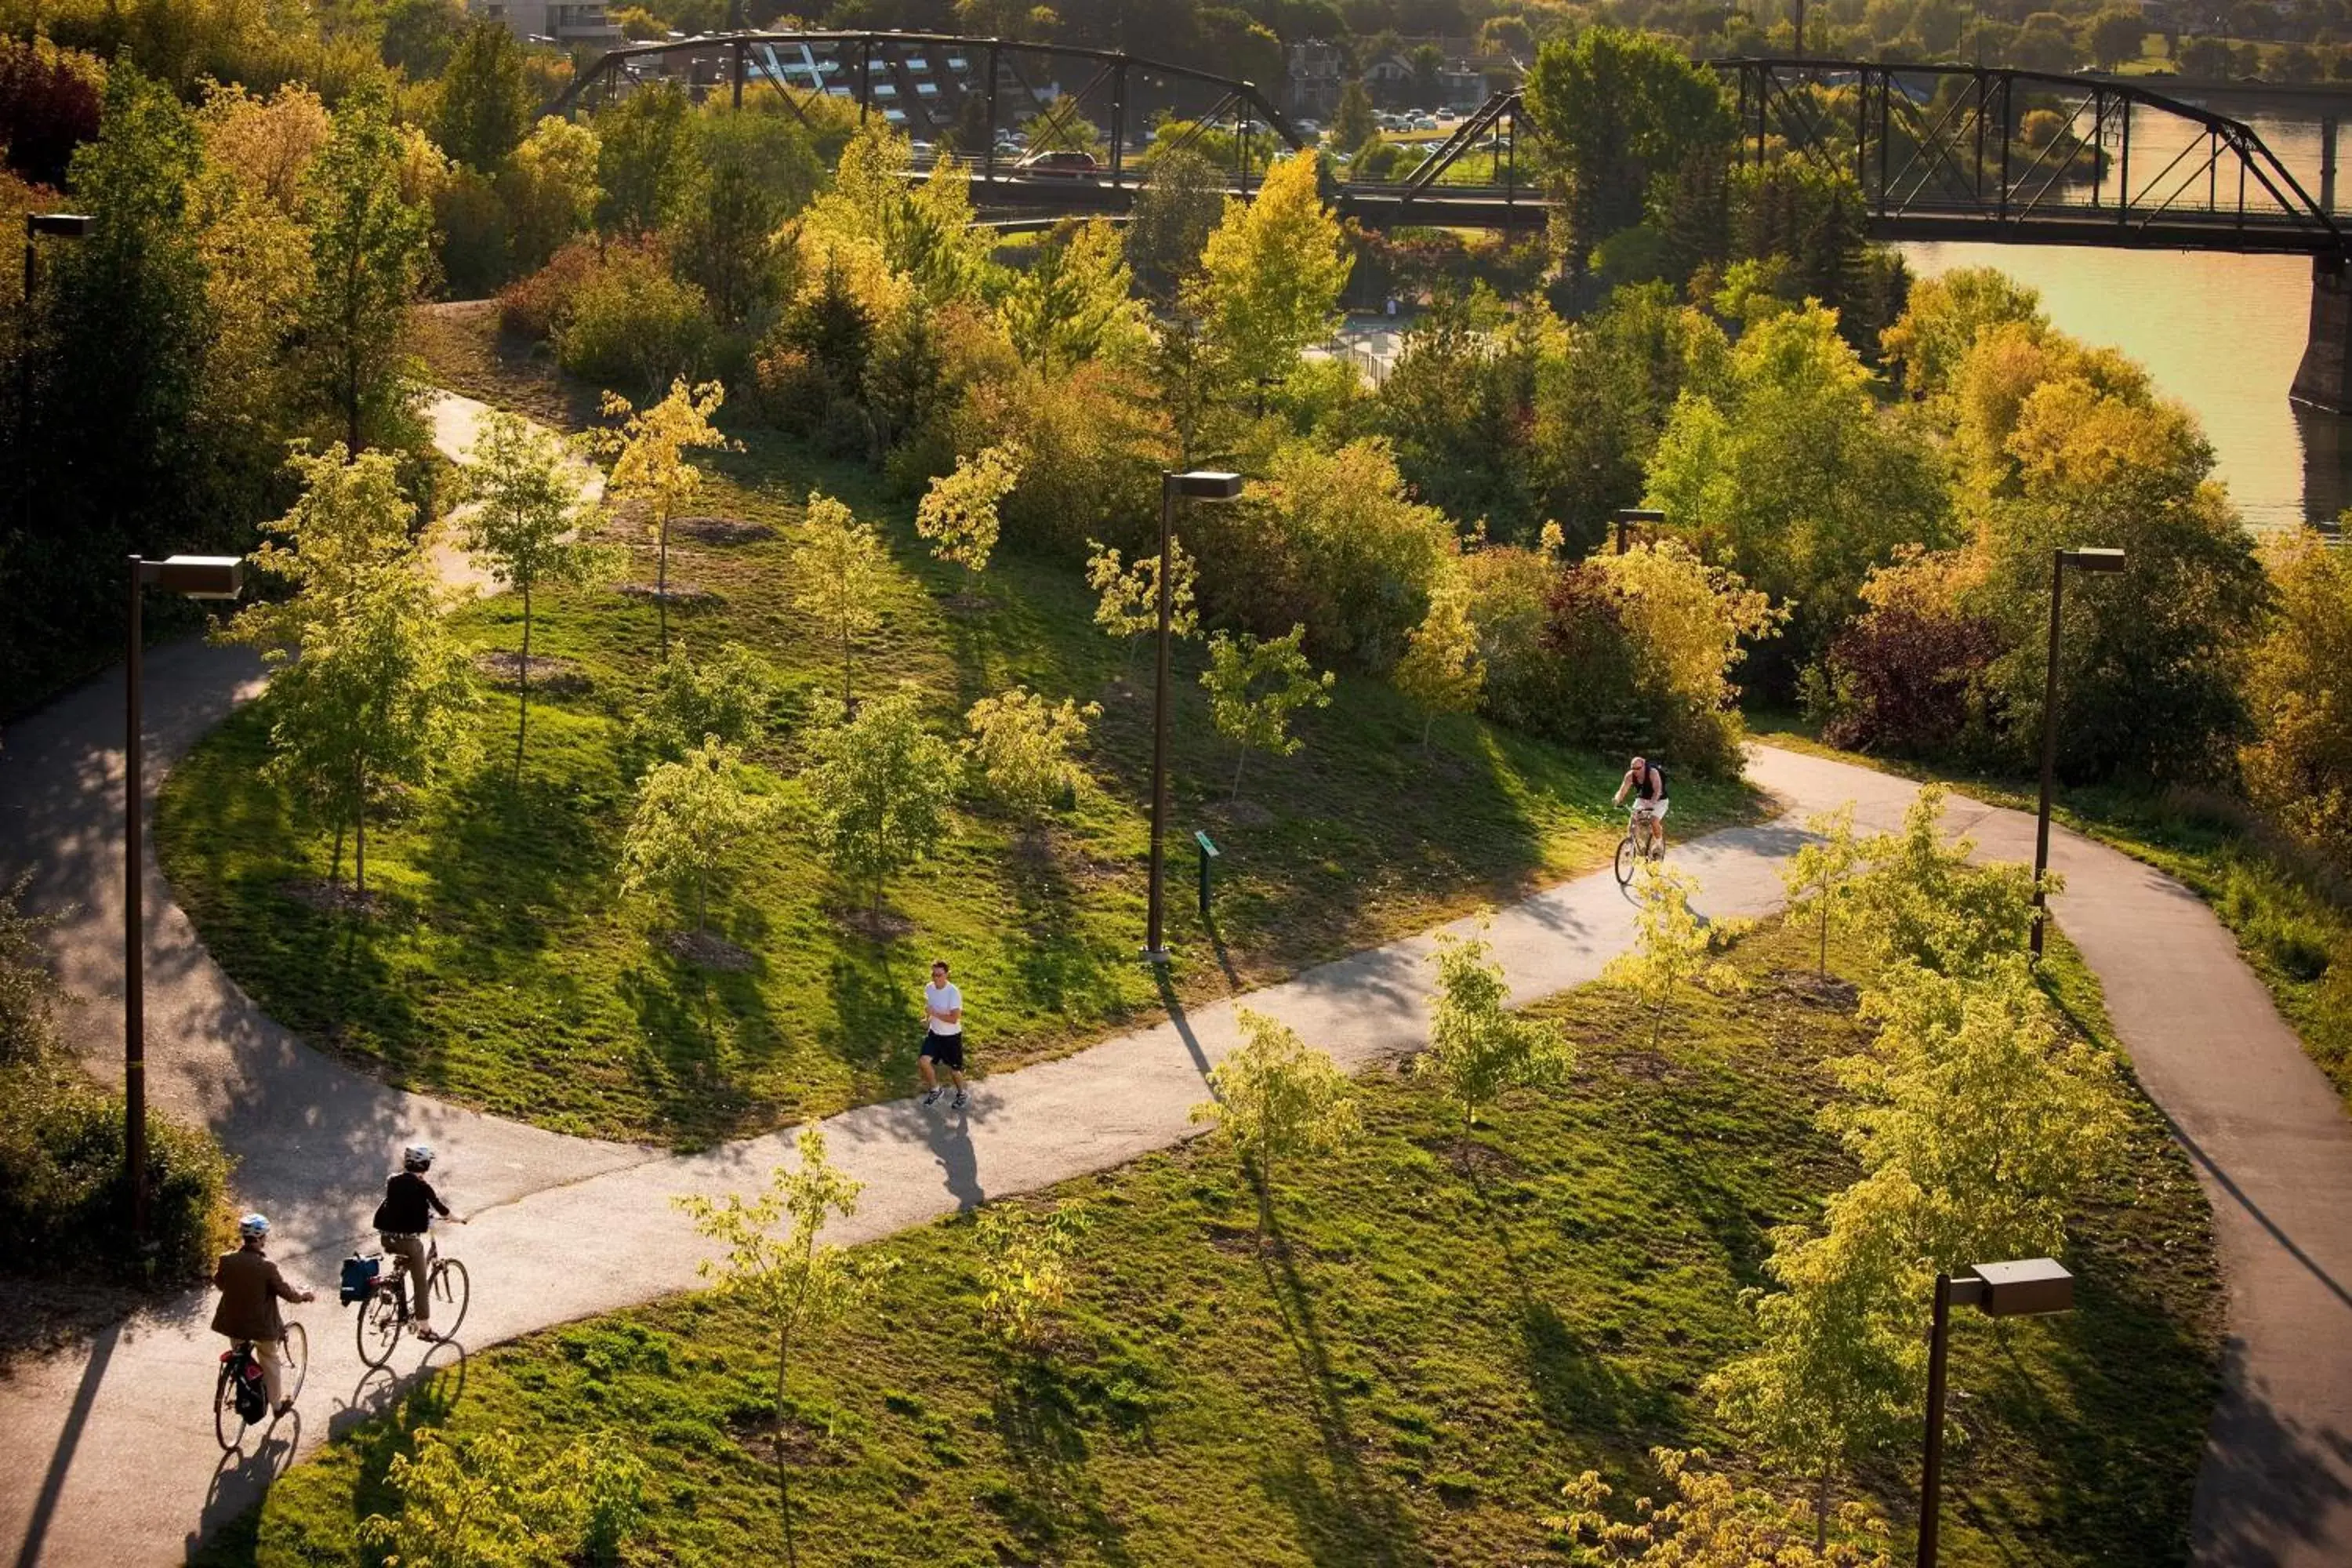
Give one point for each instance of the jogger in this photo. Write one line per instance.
(942, 1037)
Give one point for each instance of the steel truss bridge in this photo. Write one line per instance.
(1939, 152)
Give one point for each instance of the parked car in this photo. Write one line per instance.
(1060, 163)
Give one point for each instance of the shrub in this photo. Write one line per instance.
(1510, 599)
(537, 306)
(1908, 675)
(48, 107)
(2299, 767)
(633, 325)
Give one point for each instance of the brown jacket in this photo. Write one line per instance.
(250, 1288)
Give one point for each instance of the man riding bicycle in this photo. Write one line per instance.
(251, 1288)
(1646, 783)
(402, 1221)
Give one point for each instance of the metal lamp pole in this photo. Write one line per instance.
(2082, 561)
(1628, 518)
(1197, 484)
(2033, 1287)
(193, 577)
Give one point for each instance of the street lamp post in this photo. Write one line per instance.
(1198, 484)
(57, 226)
(2082, 561)
(191, 577)
(2033, 1286)
(1629, 516)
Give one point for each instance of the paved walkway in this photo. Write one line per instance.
(108, 1457)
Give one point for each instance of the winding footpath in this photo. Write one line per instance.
(108, 1457)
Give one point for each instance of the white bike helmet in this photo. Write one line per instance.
(417, 1157)
(253, 1226)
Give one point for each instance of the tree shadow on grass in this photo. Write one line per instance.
(1345, 1516)
(1059, 969)
(700, 1031)
(877, 1026)
(1057, 1504)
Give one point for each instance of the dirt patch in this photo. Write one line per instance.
(676, 594)
(332, 898)
(1243, 813)
(964, 602)
(549, 676)
(705, 950)
(1469, 1154)
(718, 530)
(1815, 989)
(888, 925)
(801, 1446)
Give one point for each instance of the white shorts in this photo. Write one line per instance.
(1656, 808)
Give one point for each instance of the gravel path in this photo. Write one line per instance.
(111, 1458)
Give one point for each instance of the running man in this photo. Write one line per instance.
(942, 1037)
(251, 1288)
(1646, 783)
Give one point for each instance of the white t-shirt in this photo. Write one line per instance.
(938, 999)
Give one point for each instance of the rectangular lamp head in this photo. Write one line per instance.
(2027, 1288)
(196, 576)
(1640, 514)
(64, 225)
(1207, 484)
(2093, 560)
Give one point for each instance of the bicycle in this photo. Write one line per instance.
(293, 1366)
(384, 1313)
(1640, 843)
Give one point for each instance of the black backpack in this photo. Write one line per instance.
(252, 1395)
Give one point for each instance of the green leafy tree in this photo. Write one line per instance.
(1673, 946)
(879, 785)
(645, 159)
(1272, 272)
(840, 568)
(1021, 746)
(419, 36)
(370, 247)
(481, 1502)
(749, 174)
(1707, 1520)
(1254, 686)
(690, 825)
(1129, 603)
(1945, 316)
(730, 696)
(1922, 902)
(1441, 670)
(1351, 123)
(1174, 215)
(2298, 766)
(2115, 37)
(1618, 108)
(1820, 875)
(484, 104)
(650, 464)
(369, 683)
(1026, 1264)
(791, 1279)
(1278, 1099)
(1074, 303)
(549, 188)
(958, 514)
(524, 525)
(1477, 1049)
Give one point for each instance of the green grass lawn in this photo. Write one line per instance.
(1446, 1333)
(503, 968)
(2287, 911)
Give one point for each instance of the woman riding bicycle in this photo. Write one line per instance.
(1646, 783)
(251, 1288)
(402, 1221)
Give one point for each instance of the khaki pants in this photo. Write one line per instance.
(267, 1354)
(411, 1248)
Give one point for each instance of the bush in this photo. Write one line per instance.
(1908, 675)
(2298, 769)
(633, 326)
(1510, 600)
(48, 107)
(539, 305)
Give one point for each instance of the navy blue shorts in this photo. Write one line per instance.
(946, 1050)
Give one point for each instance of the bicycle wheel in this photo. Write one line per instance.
(452, 1294)
(227, 1425)
(380, 1324)
(1626, 854)
(293, 1362)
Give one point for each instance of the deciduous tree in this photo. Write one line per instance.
(1441, 670)
(1021, 746)
(794, 1281)
(1673, 946)
(1025, 1267)
(1129, 603)
(1254, 686)
(957, 513)
(1818, 876)
(480, 1501)
(730, 695)
(879, 785)
(484, 104)
(839, 570)
(1075, 301)
(1272, 272)
(1477, 1049)
(370, 247)
(1278, 1098)
(650, 464)
(691, 825)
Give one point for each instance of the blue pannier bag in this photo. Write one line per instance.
(358, 1278)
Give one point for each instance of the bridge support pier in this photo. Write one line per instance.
(2324, 380)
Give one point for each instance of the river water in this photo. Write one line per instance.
(2222, 333)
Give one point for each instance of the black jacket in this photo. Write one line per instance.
(406, 1198)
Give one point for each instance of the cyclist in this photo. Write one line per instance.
(402, 1221)
(251, 1288)
(1646, 783)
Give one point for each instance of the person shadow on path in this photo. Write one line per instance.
(950, 1142)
